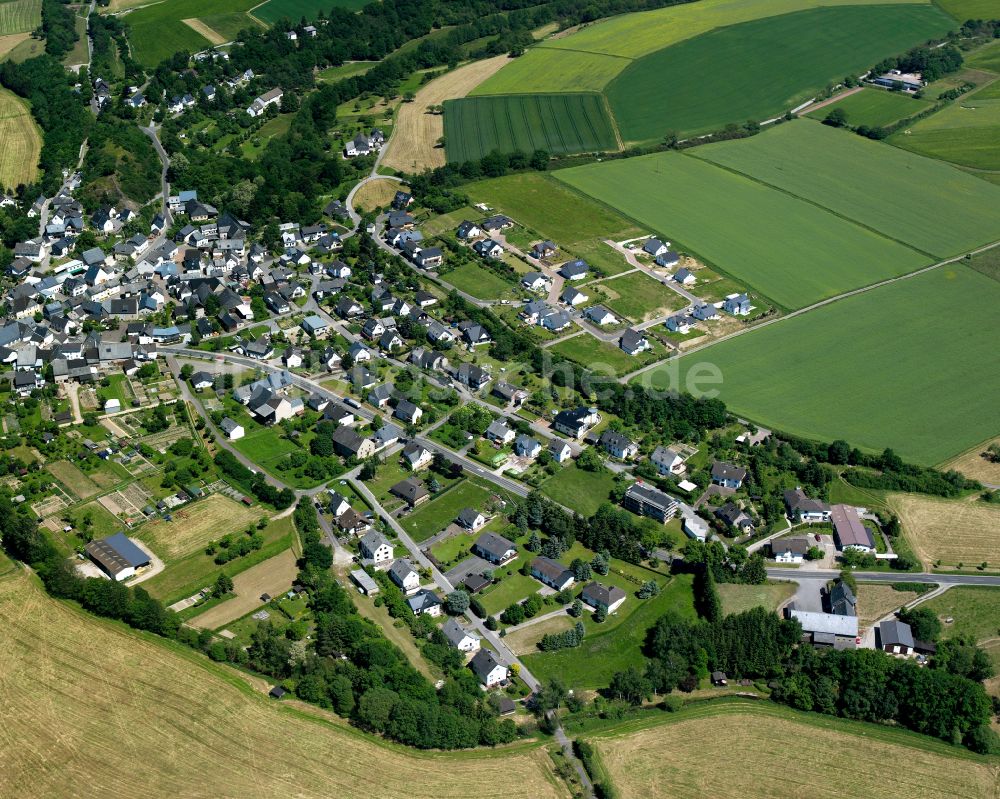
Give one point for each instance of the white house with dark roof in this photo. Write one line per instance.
(404, 575)
(463, 640)
(494, 548)
(727, 475)
(667, 461)
(375, 547)
(488, 668)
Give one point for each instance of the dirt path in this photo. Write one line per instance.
(198, 26)
(829, 101)
(412, 146)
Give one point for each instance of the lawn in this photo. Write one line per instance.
(890, 379)
(791, 251)
(348, 70)
(477, 280)
(104, 522)
(194, 525)
(760, 69)
(235, 741)
(966, 133)
(863, 180)
(603, 358)
(188, 575)
(974, 609)
(640, 297)
(432, 517)
(80, 54)
(293, 10)
(737, 598)
(511, 589)
(876, 107)
(684, 750)
(579, 489)
(594, 662)
(559, 123)
(277, 126)
(265, 446)
(22, 141)
(953, 532)
(20, 16)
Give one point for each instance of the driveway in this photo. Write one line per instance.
(809, 595)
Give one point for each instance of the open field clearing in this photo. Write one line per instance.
(680, 758)
(975, 611)
(198, 523)
(967, 132)
(873, 388)
(602, 357)
(10, 41)
(228, 26)
(274, 576)
(876, 107)
(953, 532)
(553, 210)
(204, 731)
(22, 141)
(973, 465)
(605, 651)
(20, 16)
(877, 601)
(806, 255)
(986, 57)
(962, 10)
(760, 69)
(71, 477)
(80, 54)
(737, 598)
(293, 10)
(201, 27)
(583, 490)
(591, 57)
(639, 297)
(479, 281)
(161, 29)
(377, 194)
(863, 180)
(525, 641)
(559, 123)
(413, 145)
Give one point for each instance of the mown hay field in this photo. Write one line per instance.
(974, 466)
(70, 476)
(876, 107)
(760, 69)
(864, 180)
(93, 709)
(20, 16)
(159, 30)
(876, 601)
(966, 133)
(22, 141)
(558, 123)
(377, 194)
(957, 531)
(791, 251)
(735, 750)
(413, 147)
(870, 369)
(274, 576)
(737, 598)
(590, 58)
(194, 525)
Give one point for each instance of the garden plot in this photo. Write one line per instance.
(197, 524)
(73, 479)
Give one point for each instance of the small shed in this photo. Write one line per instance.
(719, 678)
(277, 692)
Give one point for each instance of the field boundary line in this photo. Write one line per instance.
(586, 52)
(830, 300)
(813, 203)
(614, 122)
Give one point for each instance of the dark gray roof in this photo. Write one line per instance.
(895, 633)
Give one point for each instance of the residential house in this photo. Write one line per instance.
(895, 637)
(803, 509)
(789, 550)
(488, 668)
(233, 430)
(618, 445)
(411, 491)
(681, 323)
(735, 518)
(667, 461)
(600, 315)
(536, 281)
(576, 422)
(470, 519)
(425, 603)
(463, 640)
(573, 297)
(559, 450)
(705, 312)
(737, 305)
(574, 270)
(417, 455)
(842, 599)
(727, 475)
(654, 247)
(602, 597)
(375, 547)
(404, 575)
(408, 412)
(499, 432)
(668, 259)
(468, 230)
(645, 500)
(552, 573)
(543, 249)
(632, 342)
(348, 443)
(684, 277)
(511, 395)
(488, 248)
(527, 447)
(494, 548)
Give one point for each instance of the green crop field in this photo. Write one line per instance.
(559, 123)
(591, 57)
(792, 251)
(985, 58)
(962, 10)
(901, 366)
(229, 25)
(20, 16)
(760, 69)
(294, 10)
(967, 132)
(157, 30)
(876, 108)
(866, 181)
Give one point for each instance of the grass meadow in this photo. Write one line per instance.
(639, 297)
(893, 367)
(876, 107)
(760, 69)
(684, 750)
(558, 123)
(580, 489)
(432, 517)
(20, 16)
(293, 10)
(865, 181)
(589, 351)
(158, 31)
(789, 250)
(479, 281)
(966, 133)
(22, 141)
(973, 608)
(206, 728)
(962, 10)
